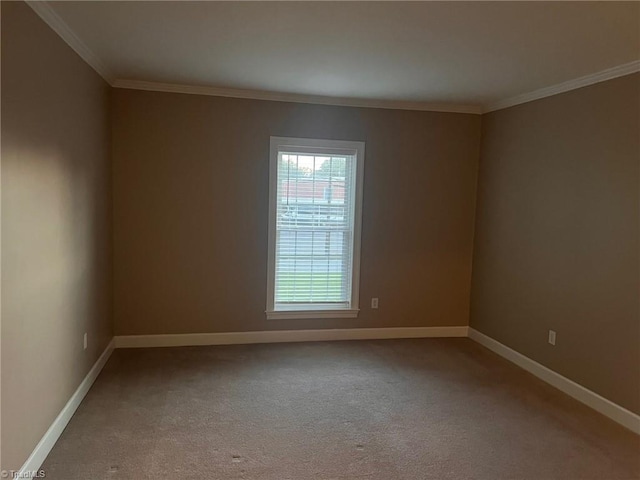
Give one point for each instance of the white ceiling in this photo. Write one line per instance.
(465, 53)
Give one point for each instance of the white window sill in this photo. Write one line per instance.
(301, 314)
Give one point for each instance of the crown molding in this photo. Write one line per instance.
(51, 18)
(604, 75)
(294, 97)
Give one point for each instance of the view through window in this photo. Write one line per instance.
(316, 208)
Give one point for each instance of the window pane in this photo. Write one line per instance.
(314, 230)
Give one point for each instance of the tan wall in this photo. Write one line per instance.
(191, 199)
(55, 227)
(556, 243)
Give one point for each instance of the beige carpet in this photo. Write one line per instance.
(395, 409)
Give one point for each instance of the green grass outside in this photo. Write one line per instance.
(304, 286)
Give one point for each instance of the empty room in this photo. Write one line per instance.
(320, 240)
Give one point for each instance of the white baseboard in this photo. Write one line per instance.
(612, 410)
(279, 336)
(46, 443)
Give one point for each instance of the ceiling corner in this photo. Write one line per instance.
(46, 12)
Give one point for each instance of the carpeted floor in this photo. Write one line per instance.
(385, 410)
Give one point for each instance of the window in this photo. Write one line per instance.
(315, 204)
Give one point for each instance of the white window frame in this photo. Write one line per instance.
(312, 145)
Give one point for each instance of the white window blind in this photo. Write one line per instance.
(314, 229)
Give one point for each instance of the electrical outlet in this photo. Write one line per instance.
(552, 337)
(85, 341)
(374, 303)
